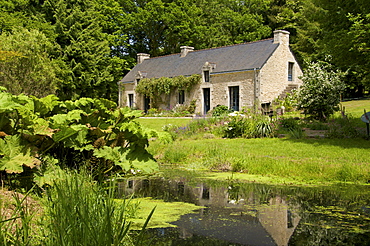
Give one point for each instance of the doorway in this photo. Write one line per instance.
(206, 100)
(146, 103)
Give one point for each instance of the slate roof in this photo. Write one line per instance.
(239, 57)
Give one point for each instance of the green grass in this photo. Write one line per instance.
(158, 122)
(305, 160)
(280, 160)
(356, 107)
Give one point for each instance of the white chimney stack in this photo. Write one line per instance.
(141, 57)
(185, 50)
(281, 37)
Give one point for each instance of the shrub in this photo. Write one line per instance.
(289, 124)
(220, 110)
(235, 127)
(192, 106)
(320, 94)
(289, 102)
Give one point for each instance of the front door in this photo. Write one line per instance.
(131, 100)
(206, 100)
(146, 103)
(234, 98)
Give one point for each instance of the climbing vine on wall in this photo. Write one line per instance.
(155, 87)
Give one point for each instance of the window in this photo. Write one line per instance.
(234, 98)
(290, 71)
(206, 75)
(181, 98)
(137, 81)
(131, 100)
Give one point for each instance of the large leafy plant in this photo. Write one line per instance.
(39, 133)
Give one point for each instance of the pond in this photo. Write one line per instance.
(238, 213)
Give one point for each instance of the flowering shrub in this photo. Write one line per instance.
(320, 94)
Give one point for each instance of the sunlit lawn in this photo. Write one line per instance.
(310, 160)
(158, 122)
(356, 107)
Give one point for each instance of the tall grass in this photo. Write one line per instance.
(77, 211)
(18, 222)
(82, 213)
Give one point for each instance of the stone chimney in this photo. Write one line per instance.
(281, 37)
(185, 50)
(141, 57)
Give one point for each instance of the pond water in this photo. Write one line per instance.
(239, 213)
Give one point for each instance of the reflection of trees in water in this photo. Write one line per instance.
(298, 215)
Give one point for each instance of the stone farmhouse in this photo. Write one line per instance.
(237, 76)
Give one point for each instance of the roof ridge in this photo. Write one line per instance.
(230, 45)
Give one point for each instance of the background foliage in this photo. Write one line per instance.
(91, 44)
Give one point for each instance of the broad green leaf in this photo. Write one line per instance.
(48, 172)
(41, 127)
(74, 137)
(116, 154)
(60, 120)
(148, 166)
(45, 105)
(67, 132)
(7, 104)
(14, 164)
(15, 155)
(139, 161)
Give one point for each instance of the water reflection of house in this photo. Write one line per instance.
(278, 220)
(241, 219)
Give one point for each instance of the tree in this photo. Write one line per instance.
(319, 95)
(360, 33)
(160, 27)
(300, 19)
(25, 63)
(90, 36)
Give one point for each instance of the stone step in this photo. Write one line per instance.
(288, 89)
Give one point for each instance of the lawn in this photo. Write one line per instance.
(356, 107)
(296, 161)
(306, 160)
(158, 122)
